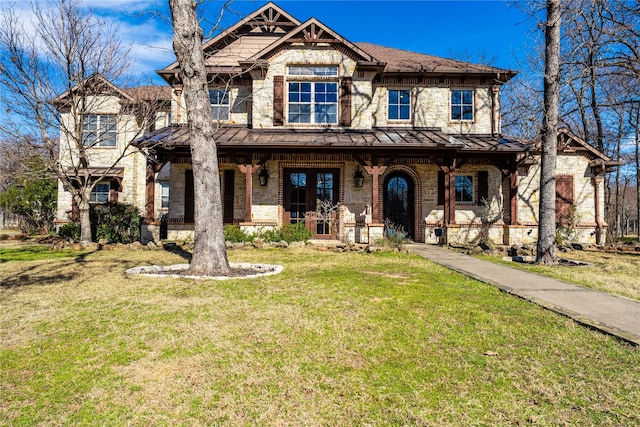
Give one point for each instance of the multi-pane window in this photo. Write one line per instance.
(399, 104)
(298, 202)
(219, 100)
(319, 70)
(99, 130)
(462, 105)
(165, 195)
(464, 188)
(313, 102)
(100, 193)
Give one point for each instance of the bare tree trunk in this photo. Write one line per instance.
(209, 252)
(546, 250)
(85, 219)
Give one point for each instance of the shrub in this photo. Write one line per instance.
(288, 233)
(234, 234)
(295, 233)
(70, 231)
(115, 222)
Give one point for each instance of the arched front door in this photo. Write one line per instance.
(399, 201)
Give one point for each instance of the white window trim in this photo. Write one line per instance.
(313, 103)
(473, 105)
(164, 185)
(410, 105)
(311, 68)
(218, 107)
(100, 132)
(94, 196)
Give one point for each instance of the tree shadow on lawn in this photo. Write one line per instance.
(45, 274)
(61, 270)
(177, 250)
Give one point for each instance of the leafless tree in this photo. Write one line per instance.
(52, 69)
(209, 252)
(546, 249)
(599, 80)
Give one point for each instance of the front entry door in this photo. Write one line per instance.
(398, 201)
(310, 197)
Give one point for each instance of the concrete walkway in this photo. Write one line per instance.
(611, 314)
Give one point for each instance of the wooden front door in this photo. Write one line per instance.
(311, 196)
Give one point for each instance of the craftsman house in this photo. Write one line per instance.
(347, 137)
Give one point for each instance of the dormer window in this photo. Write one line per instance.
(219, 100)
(312, 95)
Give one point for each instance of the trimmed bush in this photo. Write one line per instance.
(234, 234)
(288, 233)
(115, 222)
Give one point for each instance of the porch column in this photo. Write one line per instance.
(597, 181)
(375, 172)
(152, 170)
(248, 170)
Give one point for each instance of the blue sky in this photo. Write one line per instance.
(468, 30)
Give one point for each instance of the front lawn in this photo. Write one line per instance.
(615, 273)
(336, 339)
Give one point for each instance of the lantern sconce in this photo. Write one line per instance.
(358, 178)
(263, 177)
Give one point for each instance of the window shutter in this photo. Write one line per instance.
(113, 194)
(440, 188)
(345, 101)
(278, 101)
(483, 186)
(188, 197)
(227, 197)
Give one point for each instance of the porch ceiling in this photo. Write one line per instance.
(427, 139)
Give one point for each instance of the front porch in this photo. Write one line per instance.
(346, 185)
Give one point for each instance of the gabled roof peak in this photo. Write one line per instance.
(313, 32)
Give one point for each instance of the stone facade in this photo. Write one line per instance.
(501, 206)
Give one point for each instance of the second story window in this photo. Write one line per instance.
(462, 105)
(312, 96)
(99, 130)
(399, 104)
(219, 100)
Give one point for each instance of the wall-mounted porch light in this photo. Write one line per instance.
(263, 177)
(358, 178)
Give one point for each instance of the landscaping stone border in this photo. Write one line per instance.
(258, 270)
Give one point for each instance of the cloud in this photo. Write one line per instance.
(142, 26)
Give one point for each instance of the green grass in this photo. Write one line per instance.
(615, 273)
(336, 339)
(31, 253)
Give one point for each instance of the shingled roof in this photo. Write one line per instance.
(404, 61)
